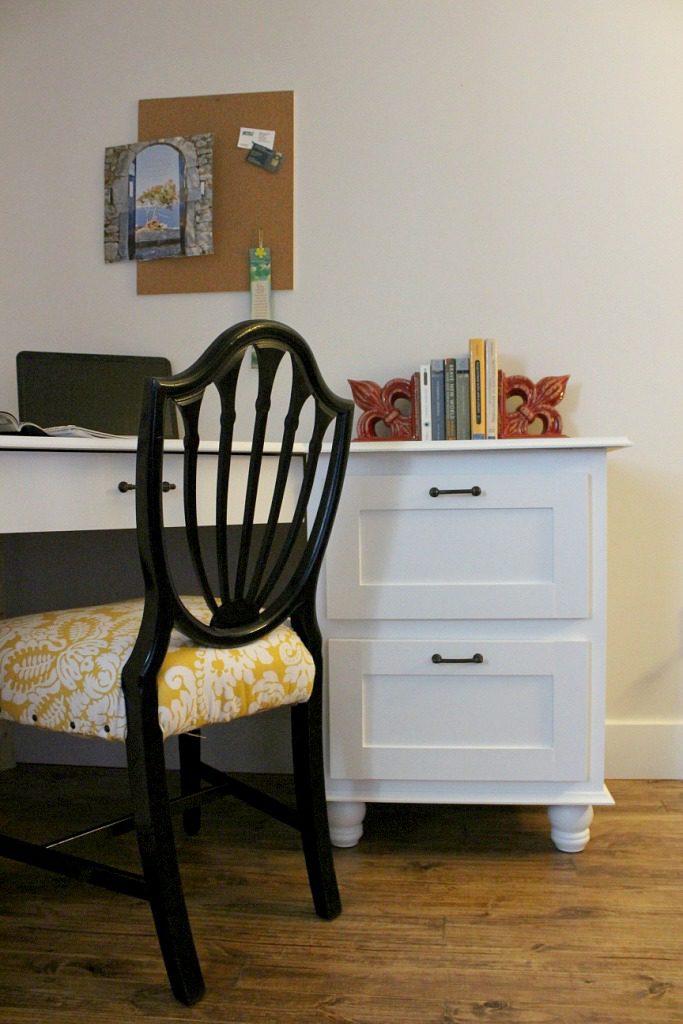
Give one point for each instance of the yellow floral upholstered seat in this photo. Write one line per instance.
(62, 671)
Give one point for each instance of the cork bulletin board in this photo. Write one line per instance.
(246, 198)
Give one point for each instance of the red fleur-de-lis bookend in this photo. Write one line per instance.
(538, 404)
(381, 412)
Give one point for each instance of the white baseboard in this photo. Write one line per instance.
(644, 750)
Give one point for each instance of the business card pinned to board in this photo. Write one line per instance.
(268, 159)
(248, 136)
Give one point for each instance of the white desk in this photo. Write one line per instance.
(532, 598)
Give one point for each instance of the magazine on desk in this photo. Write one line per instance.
(9, 424)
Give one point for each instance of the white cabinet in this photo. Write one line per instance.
(464, 612)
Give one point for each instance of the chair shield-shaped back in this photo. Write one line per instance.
(272, 497)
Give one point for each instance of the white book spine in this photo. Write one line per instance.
(426, 402)
(491, 388)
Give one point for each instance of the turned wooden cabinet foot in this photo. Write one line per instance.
(570, 826)
(346, 822)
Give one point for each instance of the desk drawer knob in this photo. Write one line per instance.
(476, 659)
(434, 492)
(125, 486)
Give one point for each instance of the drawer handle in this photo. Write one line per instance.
(476, 659)
(434, 492)
(125, 486)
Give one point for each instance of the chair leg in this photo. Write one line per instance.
(189, 753)
(309, 782)
(146, 769)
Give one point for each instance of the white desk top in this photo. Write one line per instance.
(29, 443)
(24, 443)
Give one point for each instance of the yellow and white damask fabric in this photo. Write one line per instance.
(62, 671)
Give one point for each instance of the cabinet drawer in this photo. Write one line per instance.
(88, 498)
(518, 549)
(521, 714)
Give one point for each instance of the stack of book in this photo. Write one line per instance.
(456, 399)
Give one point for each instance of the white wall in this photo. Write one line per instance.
(498, 167)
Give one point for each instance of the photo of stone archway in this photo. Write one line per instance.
(158, 199)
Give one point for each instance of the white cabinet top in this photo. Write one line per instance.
(501, 444)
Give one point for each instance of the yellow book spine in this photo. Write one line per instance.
(478, 388)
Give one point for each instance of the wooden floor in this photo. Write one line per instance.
(452, 915)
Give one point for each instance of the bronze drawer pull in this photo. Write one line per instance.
(434, 492)
(125, 486)
(476, 659)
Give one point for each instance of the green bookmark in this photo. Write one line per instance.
(259, 281)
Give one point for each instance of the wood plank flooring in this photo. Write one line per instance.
(452, 915)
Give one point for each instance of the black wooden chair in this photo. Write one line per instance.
(144, 670)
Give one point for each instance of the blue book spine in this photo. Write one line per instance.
(462, 398)
(449, 390)
(438, 401)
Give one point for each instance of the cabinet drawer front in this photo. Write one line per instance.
(521, 714)
(95, 502)
(48, 491)
(519, 549)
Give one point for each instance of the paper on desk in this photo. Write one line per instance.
(9, 424)
(70, 430)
